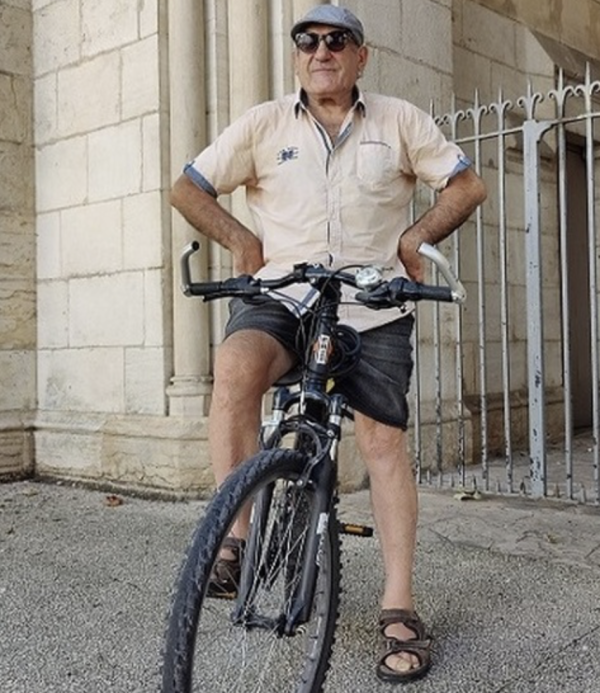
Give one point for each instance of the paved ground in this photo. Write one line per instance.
(510, 589)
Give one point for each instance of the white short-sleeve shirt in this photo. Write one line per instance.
(337, 203)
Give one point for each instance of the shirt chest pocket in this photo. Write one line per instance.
(375, 164)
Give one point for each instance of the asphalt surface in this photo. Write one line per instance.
(509, 588)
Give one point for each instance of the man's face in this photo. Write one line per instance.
(326, 73)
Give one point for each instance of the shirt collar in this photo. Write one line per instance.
(358, 101)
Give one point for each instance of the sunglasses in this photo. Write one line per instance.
(335, 41)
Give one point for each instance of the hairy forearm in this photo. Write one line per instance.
(206, 215)
(452, 208)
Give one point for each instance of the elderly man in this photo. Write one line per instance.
(329, 174)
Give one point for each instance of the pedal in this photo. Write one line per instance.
(355, 530)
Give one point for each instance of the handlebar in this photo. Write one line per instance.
(378, 294)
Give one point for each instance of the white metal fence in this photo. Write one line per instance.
(508, 392)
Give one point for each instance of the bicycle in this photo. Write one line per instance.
(273, 629)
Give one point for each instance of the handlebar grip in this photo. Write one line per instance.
(245, 285)
(425, 292)
(203, 289)
(402, 290)
(399, 290)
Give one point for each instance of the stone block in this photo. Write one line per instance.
(156, 332)
(68, 454)
(153, 160)
(142, 231)
(19, 4)
(16, 451)
(16, 97)
(513, 82)
(107, 25)
(17, 246)
(148, 17)
(472, 74)
(426, 371)
(487, 33)
(518, 312)
(89, 95)
(15, 40)
(129, 452)
(16, 177)
(61, 174)
(17, 380)
(120, 173)
(352, 473)
(107, 310)
(81, 380)
(52, 314)
(48, 245)
(140, 78)
(56, 36)
(382, 22)
(417, 83)
(427, 34)
(531, 57)
(158, 452)
(91, 239)
(440, 444)
(17, 313)
(552, 314)
(145, 381)
(45, 114)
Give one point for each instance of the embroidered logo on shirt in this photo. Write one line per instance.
(287, 154)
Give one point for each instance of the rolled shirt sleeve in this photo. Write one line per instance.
(228, 162)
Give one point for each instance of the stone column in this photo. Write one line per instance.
(249, 82)
(301, 7)
(249, 51)
(17, 242)
(190, 386)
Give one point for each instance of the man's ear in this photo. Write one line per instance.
(363, 55)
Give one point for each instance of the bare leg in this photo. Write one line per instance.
(395, 508)
(248, 362)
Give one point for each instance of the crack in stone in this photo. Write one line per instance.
(545, 660)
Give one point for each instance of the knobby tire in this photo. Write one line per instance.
(204, 652)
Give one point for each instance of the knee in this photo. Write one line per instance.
(382, 448)
(239, 371)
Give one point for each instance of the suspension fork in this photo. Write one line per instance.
(322, 479)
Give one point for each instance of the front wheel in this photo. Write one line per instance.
(215, 645)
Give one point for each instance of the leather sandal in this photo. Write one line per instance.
(225, 574)
(420, 646)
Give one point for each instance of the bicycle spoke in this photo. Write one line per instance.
(240, 644)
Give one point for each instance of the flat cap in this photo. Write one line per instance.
(332, 15)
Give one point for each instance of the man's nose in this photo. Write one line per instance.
(323, 53)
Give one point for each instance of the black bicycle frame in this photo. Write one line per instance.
(318, 428)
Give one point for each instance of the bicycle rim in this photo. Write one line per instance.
(206, 650)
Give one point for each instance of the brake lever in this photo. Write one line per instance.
(459, 293)
(376, 298)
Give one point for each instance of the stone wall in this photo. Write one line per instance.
(125, 93)
(104, 267)
(17, 241)
(572, 23)
(500, 57)
(121, 97)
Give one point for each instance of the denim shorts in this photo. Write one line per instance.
(376, 387)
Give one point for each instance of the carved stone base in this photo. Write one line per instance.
(16, 447)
